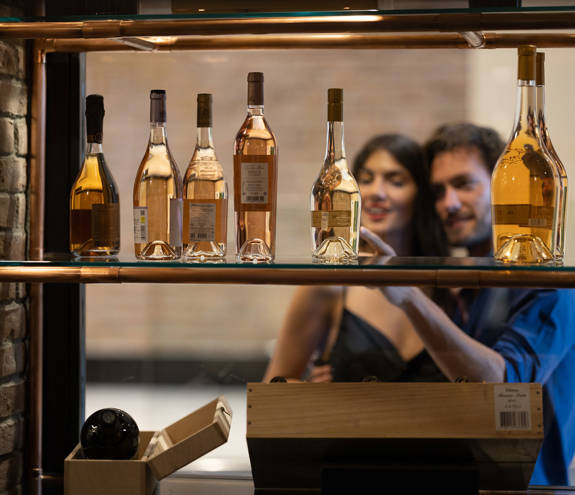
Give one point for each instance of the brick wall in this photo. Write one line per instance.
(13, 201)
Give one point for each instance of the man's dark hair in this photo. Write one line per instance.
(465, 135)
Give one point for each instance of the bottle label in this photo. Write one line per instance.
(175, 222)
(512, 406)
(106, 224)
(329, 219)
(523, 215)
(80, 225)
(140, 224)
(202, 221)
(255, 182)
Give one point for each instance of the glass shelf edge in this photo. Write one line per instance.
(288, 14)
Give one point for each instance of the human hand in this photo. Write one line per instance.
(397, 296)
(380, 248)
(321, 374)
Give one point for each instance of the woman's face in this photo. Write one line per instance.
(387, 194)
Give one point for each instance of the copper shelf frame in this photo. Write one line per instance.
(325, 41)
(269, 275)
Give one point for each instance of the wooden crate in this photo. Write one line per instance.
(159, 454)
(296, 430)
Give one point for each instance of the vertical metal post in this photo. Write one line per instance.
(36, 252)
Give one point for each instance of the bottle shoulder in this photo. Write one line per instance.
(255, 127)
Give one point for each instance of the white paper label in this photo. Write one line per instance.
(140, 224)
(202, 222)
(175, 222)
(254, 182)
(512, 407)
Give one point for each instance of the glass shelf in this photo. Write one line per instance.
(206, 14)
(446, 272)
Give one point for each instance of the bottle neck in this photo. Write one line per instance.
(526, 110)
(204, 145)
(158, 133)
(94, 148)
(541, 111)
(335, 149)
(255, 110)
(204, 139)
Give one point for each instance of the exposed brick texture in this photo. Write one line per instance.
(12, 290)
(14, 97)
(10, 470)
(13, 177)
(11, 435)
(12, 321)
(11, 358)
(12, 398)
(12, 210)
(7, 135)
(21, 136)
(13, 231)
(13, 245)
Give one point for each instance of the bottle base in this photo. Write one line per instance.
(525, 249)
(254, 251)
(157, 251)
(215, 252)
(335, 250)
(95, 254)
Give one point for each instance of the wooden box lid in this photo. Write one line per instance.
(189, 438)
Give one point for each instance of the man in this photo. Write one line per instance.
(495, 335)
(531, 330)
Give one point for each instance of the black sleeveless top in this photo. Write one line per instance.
(360, 350)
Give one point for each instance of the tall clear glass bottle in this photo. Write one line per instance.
(335, 198)
(525, 184)
(205, 194)
(542, 122)
(94, 199)
(158, 192)
(255, 180)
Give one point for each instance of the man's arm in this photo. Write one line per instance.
(454, 352)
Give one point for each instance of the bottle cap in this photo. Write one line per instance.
(526, 62)
(204, 110)
(540, 69)
(255, 88)
(335, 105)
(94, 118)
(158, 105)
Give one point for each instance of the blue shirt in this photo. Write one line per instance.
(534, 331)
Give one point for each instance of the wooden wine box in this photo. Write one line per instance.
(332, 437)
(159, 455)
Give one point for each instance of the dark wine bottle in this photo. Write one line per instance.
(110, 434)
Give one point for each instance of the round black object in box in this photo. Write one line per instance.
(110, 434)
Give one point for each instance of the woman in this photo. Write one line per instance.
(358, 331)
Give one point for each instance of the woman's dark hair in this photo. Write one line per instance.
(428, 237)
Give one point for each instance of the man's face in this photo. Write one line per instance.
(462, 187)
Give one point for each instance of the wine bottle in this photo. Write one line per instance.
(94, 199)
(158, 192)
(335, 198)
(109, 434)
(255, 180)
(205, 194)
(542, 122)
(525, 184)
